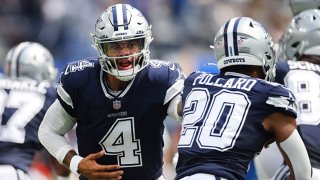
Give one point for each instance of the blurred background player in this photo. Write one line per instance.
(270, 159)
(26, 92)
(298, 69)
(228, 118)
(298, 6)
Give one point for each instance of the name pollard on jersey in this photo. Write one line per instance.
(222, 127)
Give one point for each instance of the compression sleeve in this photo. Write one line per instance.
(294, 147)
(175, 89)
(56, 123)
(172, 110)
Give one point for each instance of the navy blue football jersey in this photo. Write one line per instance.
(222, 127)
(303, 79)
(23, 105)
(128, 125)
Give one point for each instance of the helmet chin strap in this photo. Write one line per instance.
(125, 78)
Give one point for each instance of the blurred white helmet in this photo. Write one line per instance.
(30, 60)
(122, 22)
(244, 41)
(301, 36)
(298, 6)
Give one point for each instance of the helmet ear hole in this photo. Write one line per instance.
(295, 45)
(268, 56)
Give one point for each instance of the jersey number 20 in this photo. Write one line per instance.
(213, 123)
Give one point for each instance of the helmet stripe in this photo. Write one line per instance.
(18, 62)
(225, 39)
(235, 37)
(14, 64)
(125, 19)
(230, 37)
(9, 60)
(115, 18)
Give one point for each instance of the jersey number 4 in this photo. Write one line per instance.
(213, 123)
(121, 142)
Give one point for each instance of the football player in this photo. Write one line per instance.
(228, 118)
(264, 168)
(119, 102)
(298, 6)
(298, 69)
(26, 92)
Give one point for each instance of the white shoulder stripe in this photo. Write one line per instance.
(64, 95)
(282, 102)
(175, 89)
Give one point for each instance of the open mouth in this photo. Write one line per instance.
(124, 64)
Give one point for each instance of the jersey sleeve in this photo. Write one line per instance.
(281, 71)
(72, 78)
(282, 100)
(176, 80)
(170, 75)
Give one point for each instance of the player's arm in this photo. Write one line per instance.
(290, 144)
(56, 123)
(175, 108)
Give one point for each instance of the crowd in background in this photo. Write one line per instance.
(183, 30)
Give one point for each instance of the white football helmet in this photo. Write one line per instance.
(122, 22)
(30, 60)
(301, 36)
(298, 6)
(244, 41)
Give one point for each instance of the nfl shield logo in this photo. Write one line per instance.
(116, 104)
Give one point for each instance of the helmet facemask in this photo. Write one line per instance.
(112, 33)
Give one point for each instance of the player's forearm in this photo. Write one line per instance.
(52, 130)
(296, 152)
(175, 108)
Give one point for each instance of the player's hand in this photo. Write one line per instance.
(89, 168)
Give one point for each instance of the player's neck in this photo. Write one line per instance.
(115, 84)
